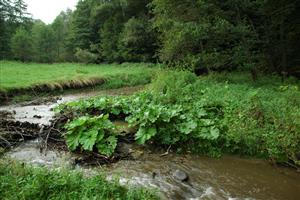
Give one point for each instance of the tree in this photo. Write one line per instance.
(21, 45)
(80, 25)
(203, 34)
(12, 15)
(137, 41)
(109, 36)
(122, 38)
(281, 33)
(61, 29)
(44, 42)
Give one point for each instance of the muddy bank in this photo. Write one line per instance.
(49, 87)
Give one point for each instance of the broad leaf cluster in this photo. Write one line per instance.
(91, 132)
(160, 115)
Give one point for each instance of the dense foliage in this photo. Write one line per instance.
(22, 182)
(197, 34)
(12, 15)
(90, 132)
(211, 115)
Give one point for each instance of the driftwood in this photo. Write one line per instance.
(51, 137)
(12, 133)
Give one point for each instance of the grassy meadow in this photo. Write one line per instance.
(16, 75)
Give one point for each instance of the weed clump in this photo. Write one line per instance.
(22, 182)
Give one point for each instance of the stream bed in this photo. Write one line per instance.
(229, 177)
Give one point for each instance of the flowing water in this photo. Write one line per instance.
(229, 177)
(225, 178)
(42, 113)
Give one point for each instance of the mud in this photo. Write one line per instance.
(61, 85)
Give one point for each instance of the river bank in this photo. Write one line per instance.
(228, 177)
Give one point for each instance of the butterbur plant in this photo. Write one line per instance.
(89, 133)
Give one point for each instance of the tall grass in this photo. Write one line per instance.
(16, 75)
(21, 182)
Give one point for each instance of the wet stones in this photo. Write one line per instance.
(129, 150)
(37, 116)
(124, 149)
(180, 175)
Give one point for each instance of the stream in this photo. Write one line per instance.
(229, 177)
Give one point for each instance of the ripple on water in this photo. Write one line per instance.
(226, 178)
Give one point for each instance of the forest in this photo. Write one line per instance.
(151, 99)
(201, 35)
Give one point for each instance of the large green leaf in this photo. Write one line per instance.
(144, 134)
(214, 132)
(76, 123)
(108, 146)
(73, 141)
(209, 133)
(187, 127)
(88, 139)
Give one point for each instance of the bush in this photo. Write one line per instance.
(261, 118)
(90, 132)
(85, 56)
(174, 85)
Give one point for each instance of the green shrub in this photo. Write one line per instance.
(89, 132)
(175, 86)
(84, 56)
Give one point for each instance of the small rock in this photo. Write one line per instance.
(154, 174)
(180, 175)
(37, 116)
(136, 153)
(130, 150)
(124, 149)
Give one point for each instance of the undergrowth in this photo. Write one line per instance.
(219, 113)
(22, 182)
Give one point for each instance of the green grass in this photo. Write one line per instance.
(23, 182)
(16, 75)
